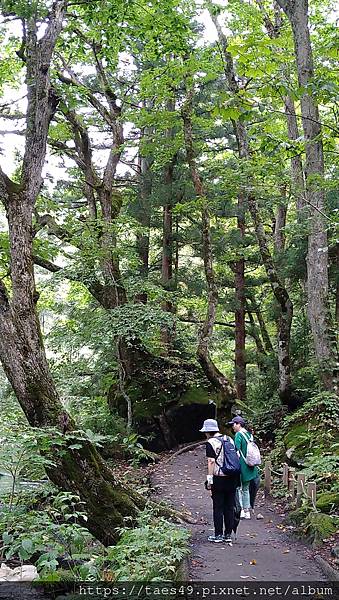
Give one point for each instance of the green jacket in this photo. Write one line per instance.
(247, 473)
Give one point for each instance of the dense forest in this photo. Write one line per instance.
(169, 218)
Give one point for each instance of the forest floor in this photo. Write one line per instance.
(265, 550)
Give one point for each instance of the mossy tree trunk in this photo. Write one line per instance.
(22, 353)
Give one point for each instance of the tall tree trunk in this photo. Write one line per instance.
(214, 375)
(253, 331)
(168, 255)
(279, 290)
(317, 257)
(21, 348)
(144, 218)
(279, 228)
(167, 279)
(286, 307)
(240, 333)
(255, 309)
(273, 29)
(297, 171)
(243, 151)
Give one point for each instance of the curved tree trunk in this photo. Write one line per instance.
(286, 307)
(22, 352)
(211, 371)
(254, 308)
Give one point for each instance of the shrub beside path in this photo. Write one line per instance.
(265, 549)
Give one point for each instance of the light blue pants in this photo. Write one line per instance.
(245, 496)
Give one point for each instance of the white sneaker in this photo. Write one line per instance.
(247, 514)
(242, 514)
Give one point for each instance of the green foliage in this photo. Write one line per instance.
(47, 534)
(311, 431)
(150, 552)
(324, 466)
(309, 438)
(107, 430)
(313, 525)
(323, 407)
(264, 409)
(55, 539)
(27, 452)
(93, 413)
(328, 502)
(124, 63)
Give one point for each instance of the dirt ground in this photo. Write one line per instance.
(265, 550)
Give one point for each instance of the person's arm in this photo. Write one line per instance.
(210, 453)
(210, 466)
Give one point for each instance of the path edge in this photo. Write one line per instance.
(328, 570)
(182, 573)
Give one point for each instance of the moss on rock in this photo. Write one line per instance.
(315, 526)
(196, 395)
(318, 527)
(298, 515)
(327, 501)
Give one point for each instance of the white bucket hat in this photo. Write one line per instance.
(209, 426)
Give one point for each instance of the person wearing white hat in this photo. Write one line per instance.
(223, 487)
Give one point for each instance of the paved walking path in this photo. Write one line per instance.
(265, 549)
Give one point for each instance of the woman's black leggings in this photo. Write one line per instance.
(223, 497)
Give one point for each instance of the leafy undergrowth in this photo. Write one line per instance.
(152, 551)
(54, 539)
(309, 441)
(311, 434)
(47, 528)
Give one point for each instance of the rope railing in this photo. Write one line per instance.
(277, 473)
(295, 483)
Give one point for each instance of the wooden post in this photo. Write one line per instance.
(268, 478)
(291, 481)
(312, 491)
(300, 487)
(285, 474)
